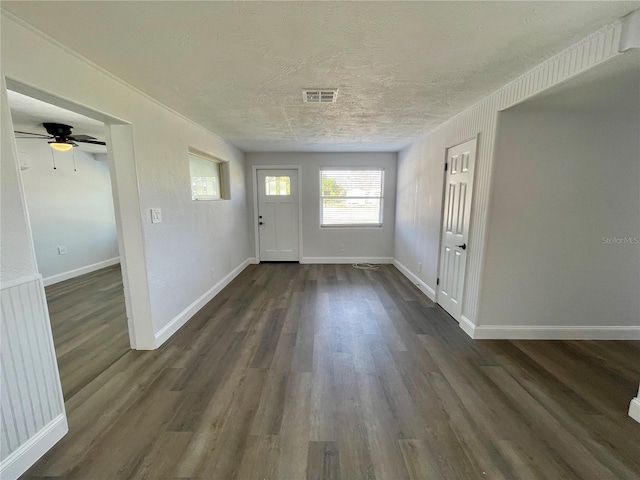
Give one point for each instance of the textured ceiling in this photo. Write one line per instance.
(238, 68)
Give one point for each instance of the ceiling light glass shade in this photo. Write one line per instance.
(63, 147)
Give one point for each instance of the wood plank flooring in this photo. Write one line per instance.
(316, 372)
(89, 326)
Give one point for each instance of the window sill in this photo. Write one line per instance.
(368, 225)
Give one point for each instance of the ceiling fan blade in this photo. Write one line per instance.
(72, 138)
(81, 137)
(94, 142)
(32, 135)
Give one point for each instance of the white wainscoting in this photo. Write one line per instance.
(31, 405)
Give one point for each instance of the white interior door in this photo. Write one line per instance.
(278, 215)
(455, 226)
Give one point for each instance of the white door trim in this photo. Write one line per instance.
(254, 174)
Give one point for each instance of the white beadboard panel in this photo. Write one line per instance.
(421, 165)
(31, 393)
(24, 457)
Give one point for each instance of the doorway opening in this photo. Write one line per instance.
(67, 186)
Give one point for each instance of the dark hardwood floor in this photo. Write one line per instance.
(89, 326)
(300, 372)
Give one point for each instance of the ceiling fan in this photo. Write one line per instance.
(60, 136)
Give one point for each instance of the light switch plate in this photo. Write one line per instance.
(156, 215)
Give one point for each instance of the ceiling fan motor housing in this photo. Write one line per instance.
(58, 130)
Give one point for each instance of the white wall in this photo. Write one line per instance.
(563, 182)
(173, 259)
(17, 258)
(193, 236)
(419, 211)
(31, 401)
(420, 168)
(323, 244)
(70, 208)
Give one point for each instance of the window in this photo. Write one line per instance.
(207, 180)
(277, 185)
(351, 197)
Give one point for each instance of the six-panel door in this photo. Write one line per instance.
(455, 226)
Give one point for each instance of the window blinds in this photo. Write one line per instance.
(351, 197)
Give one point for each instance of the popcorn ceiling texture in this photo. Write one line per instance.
(238, 68)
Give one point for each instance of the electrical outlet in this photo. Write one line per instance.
(62, 250)
(156, 215)
(342, 247)
(419, 267)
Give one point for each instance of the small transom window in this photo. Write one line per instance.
(277, 185)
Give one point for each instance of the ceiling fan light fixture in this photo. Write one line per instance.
(61, 146)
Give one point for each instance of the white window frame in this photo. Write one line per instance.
(222, 176)
(352, 225)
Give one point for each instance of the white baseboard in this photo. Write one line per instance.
(331, 260)
(542, 332)
(634, 409)
(183, 317)
(424, 288)
(468, 326)
(30, 452)
(61, 277)
(253, 261)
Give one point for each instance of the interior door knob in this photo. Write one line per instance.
(462, 247)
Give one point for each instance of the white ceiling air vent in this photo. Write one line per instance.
(320, 95)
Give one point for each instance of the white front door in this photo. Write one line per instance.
(278, 215)
(455, 226)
